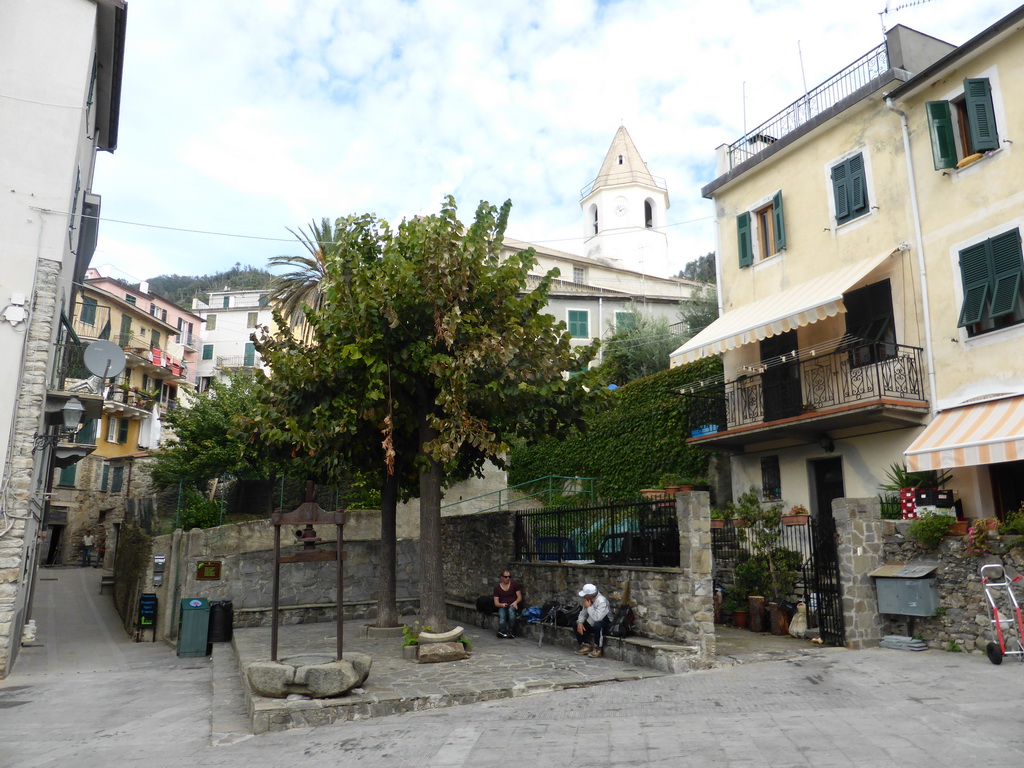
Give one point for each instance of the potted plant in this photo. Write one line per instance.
(718, 517)
(671, 482)
(796, 515)
(737, 605)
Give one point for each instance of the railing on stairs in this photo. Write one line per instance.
(548, 489)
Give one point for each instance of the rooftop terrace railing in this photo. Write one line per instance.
(816, 101)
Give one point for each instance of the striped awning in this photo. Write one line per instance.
(978, 433)
(794, 307)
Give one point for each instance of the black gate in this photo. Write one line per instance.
(818, 584)
(822, 586)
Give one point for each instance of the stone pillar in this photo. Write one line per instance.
(693, 516)
(860, 549)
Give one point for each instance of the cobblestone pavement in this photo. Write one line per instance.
(89, 697)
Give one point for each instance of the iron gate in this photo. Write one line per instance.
(818, 583)
(822, 586)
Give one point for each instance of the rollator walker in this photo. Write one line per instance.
(1009, 626)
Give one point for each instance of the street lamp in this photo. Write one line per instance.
(72, 415)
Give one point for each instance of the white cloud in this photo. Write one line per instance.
(253, 116)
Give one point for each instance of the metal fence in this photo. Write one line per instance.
(641, 532)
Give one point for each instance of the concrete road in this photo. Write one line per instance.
(98, 700)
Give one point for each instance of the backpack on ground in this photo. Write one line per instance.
(622, 622)
(562, 615)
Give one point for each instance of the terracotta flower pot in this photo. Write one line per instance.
(716, 523)
(795, 519)
(740, 617)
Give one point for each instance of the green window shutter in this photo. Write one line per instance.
(249, 358)
(746, 247)
(974, 269)
(207, 351)
(579, 323)
(105, 481)
(88, 313)
(87, 434)
(780, 221)
(981, 118)
(117, 480)
(940, 128)
(840, 186)
(1006, 269)
(122, 431)
(858, 186)
(67, 476)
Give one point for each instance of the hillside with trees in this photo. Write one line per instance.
(181, 289)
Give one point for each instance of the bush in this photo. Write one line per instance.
(928, 531)
(197, 511)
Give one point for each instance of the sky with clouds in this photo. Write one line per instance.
(249, 117)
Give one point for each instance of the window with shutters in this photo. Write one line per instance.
(579, 323)
(991, 277)
(87, 314)
(762, 234)
(249, 355)
(964, 127)
(116, 479)
(870, 325)
(207, 351)
(105, 480)
(850, 189)
(66, 478)
(250, 319)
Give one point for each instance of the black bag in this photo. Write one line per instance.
(562, 615)
(622, 622)
(485, 604)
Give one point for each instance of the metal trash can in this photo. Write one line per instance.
(222, 613)
(907, 590)
(194, 627)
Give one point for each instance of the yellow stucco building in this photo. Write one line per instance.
(870, 286)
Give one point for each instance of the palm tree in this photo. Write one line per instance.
(301, 287)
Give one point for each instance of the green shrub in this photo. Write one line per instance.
(197, 511)
(931, 529)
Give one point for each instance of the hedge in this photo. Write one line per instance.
(638, 436)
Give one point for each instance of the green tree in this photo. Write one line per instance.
(201, 446)
(701, 269)
(700, 312)
(638, 349)
(428, 341)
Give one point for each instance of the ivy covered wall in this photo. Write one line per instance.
(639, 435)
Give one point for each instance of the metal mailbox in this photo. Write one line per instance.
(907, 590)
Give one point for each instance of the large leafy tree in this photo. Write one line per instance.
(427, 353)
(200, 446)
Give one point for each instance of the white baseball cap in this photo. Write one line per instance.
(588, 589)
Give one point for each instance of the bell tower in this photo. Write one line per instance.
(624, 212)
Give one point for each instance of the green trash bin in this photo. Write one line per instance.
(194, 627)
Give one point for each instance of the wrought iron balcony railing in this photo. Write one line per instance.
(863, 373)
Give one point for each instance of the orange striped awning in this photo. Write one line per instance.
(794, 307)
(979, 433)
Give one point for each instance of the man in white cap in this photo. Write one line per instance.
(593, 620)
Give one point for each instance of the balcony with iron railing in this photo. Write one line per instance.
(859, 384)
(237, 361)
(814, 103)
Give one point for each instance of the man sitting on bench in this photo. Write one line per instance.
(593, 620)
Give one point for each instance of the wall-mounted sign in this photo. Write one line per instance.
(208, 570)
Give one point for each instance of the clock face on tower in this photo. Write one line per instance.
(620, 206)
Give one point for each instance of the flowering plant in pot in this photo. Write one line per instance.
(798, 514)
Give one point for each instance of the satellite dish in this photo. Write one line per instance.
(104, 359)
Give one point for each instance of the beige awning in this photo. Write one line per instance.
(795, 307)
(979, 433)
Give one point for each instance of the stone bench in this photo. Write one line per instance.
(663, 655)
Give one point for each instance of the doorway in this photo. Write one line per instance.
(781, 379)
(826, 485)
(1007, 480)
(54, 538)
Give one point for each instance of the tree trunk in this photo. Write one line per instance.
(432, 607)
(387, 605)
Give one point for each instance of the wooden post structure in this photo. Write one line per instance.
(307, 514)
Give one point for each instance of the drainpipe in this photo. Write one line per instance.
(928, 352)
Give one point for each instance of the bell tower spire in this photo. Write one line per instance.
(624, 211)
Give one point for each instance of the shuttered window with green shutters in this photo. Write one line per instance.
(972, 116)
(579, 323)
(780, 221)
(746, 246)
(849, 189)
(991, 274)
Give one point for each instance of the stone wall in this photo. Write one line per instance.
(307, 590)
(672, 604)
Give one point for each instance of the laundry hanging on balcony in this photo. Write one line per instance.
(794, 307)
